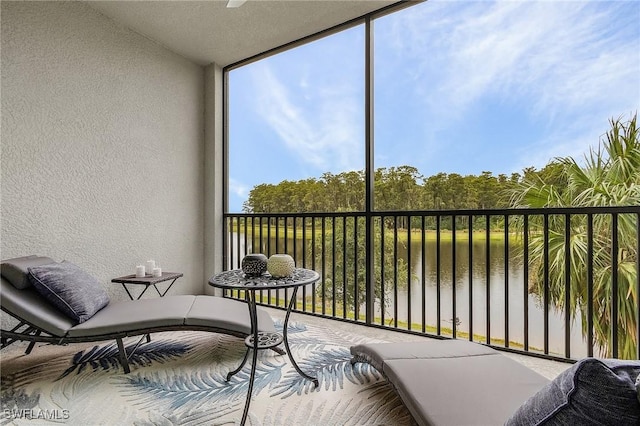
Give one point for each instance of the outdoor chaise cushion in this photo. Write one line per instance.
(17, 270)
(120, 319)
(136, 316)
(452, 382)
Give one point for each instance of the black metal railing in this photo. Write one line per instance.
(560, 283)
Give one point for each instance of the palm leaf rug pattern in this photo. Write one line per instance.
(179, 378)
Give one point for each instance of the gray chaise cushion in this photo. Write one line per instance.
(28, 305)
(226, 313)
(72, 290)
(474, 390)
(133, 316)
(453, 382)
(16, 270)
(377, 353)
(592, 392)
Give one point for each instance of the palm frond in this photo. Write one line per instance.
(182, 390)
(107, 357)
(385, 408)
(293, 327)
(190, 417)
(30, 375)
(19, 399)
(610, 176)
(331, 367)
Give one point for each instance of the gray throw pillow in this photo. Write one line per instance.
(73, 291)
(591, 392)
(16, 270)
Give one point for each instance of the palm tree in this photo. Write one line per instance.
(610, 176)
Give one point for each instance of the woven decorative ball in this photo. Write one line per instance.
(281, 265)
(254, 265)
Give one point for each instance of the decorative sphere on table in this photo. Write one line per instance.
(254, 264)
(281, 265)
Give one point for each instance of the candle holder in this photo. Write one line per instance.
(150, 265)
(254, 265)
(281, 265)
(140, 271)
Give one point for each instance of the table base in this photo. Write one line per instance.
(263, 340)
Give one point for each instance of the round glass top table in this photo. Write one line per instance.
(237, 280)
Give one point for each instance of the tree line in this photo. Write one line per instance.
(396, 188)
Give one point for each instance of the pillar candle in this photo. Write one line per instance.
(140, 271)
(157, 272)
(150, 265)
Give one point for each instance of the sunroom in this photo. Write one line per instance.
(195, 133)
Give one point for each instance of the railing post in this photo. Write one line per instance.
(638, 286)
(546, 295)
(567, 285)
(470, 225)
(590, 284)
(454, 325)
(409, 275)
(506, 280)
(614, 285)
(487, 273)
(525, 287)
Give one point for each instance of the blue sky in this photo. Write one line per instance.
(460, 87)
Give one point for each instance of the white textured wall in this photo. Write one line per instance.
(102, 145)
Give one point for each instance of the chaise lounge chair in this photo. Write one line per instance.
(41, 321)
(457, 383)
(452, 382)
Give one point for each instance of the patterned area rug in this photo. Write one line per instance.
(179, 379)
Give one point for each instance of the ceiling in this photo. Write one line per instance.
(208, 31)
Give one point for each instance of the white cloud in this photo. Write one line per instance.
(320, 122)
(547, 50)
(575, 64)
(238, 188)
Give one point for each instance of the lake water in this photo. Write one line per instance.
(516, 289)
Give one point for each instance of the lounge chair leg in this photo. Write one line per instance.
(123, 356)
(32, 344)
